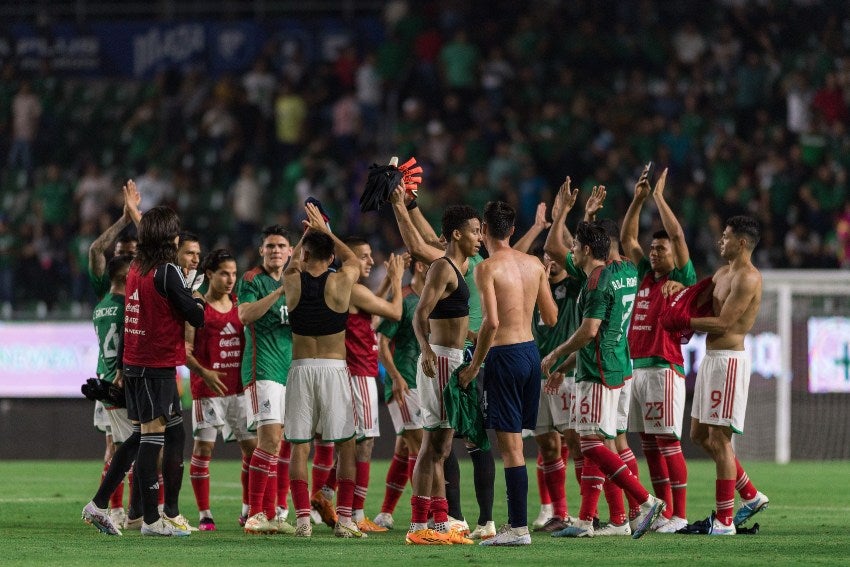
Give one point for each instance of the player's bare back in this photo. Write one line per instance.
(516, 281)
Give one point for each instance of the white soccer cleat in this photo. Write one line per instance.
(486, 531)
(546, 513)
(750, 508)
(613, 530)
(163, 527)
(180, 522)
(385, 520)
(348, 529)
(718, 528)
(659, 523)
(281, 513)
(99, 518)
(509, 536)
(649, 511)
(459, 526)
(673, 525)
(258, 524)
(118, 516)
(303, 528)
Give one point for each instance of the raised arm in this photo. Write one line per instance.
(681, 256)
(540, 224)
(132, 199)
(362, 297)
(629, 231)
(413, 239)
(545, 302)
(744, 288)
(594, 203)
(97, 250)
(559, 240)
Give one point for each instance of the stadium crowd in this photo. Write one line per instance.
(745, 103)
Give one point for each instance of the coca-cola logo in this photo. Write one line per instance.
(231, 342)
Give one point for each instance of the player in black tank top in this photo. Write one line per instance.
(312, 316)
(456, 304)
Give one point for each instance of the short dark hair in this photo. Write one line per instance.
(592, 235)
(187, 236)
(116, 264)
(660, 234)
(747, 227)
(611, 229)
(318, 244)
(127, 237)
(353, 241)
(455, 217)
(500, 218)
(275, 230)
(215, 258)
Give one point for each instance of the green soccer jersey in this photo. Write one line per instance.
(608, 295)
(100, 283)
(268, 340)
(405, 345)
(565, 293)
(108, 319)
(475, 315)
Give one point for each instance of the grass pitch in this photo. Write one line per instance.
(40, 504)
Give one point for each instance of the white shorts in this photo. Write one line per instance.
(229, 415)
(623, 406)
(366, 406)
(596, 405)
(407, 416)
(101, 420)
(720, 393)
(119, 424)
(320, 400)
(265, 403)
(572, 413)
(431, 389)
(658, 401)
(553, 413)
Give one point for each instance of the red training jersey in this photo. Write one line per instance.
(218, 346)
(361, 345)
(153, 329)
(647, 338)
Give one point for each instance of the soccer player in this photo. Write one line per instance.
(423, 244)
(188, 258)
(157, 307)
(361, 347)
(214, 356)
(599, 376)
(720, 393)
(441, 324)
(505, 341)
(321, 397)
(108, 318)
(399, 353)
(265, 364)
(658, 390)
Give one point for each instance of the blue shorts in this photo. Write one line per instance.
(511, 387)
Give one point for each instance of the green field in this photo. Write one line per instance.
(40, 505)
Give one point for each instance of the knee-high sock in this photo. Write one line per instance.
(592, 480)
(323, 460)
(283, 473)
(121, 462)
(135, 509)
(542, 489)
(451, 471)
(671, 450)
(724, 497)
(300, 498)
(258, 477)
(614, 468)
(614, 498)
(742, 482)
(516, 483)
(396, 481)
(658, 471)
(361, 484)
(411, 464)
(345, 498)
(484, 476)
(555, 477)
(199, 475)
(172, 464)
(149, 447)
(630, 461)
(270, 495)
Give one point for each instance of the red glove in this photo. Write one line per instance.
(412, 177)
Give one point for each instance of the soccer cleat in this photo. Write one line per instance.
(118, 516)
(281, 512)
(579, 528)
(180, 522)
(348, 529)
(659, 523)
(133, 523)
(546, 514)
(649, 511)
(242, 519)
(750, 508)
(426, 537)
(206, 525)
(99, 518)
(555, 524)
(508, 536)
(719, 528)
(486, 531)
(672, 525)
(315, 517)
(459, 526)
(258, 524)
(458, 538)
(367, 525)
(613, 530)
(303, 529)
(325, 508)
(281, 526)
(385, 520)
(163, 527)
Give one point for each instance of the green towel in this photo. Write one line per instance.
(463, 410)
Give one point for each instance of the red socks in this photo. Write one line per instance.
(323, 461)
(725, 500)
(419, 505)
(411, 464)
(613, 466)
(396, 481)
(300, 498)
(344, 498)
(199, 474)
(361, 485)
(542, 488)
(671, 450)
(440, 509)
(630, 461)
(258, 477)
(283, 473)
(742, 482)
(658, 474)
(555, 477)
(614, 498)
(592, 480)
